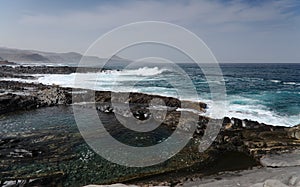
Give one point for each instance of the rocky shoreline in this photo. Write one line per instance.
(6, 62)
(240, 144)
(21, 71)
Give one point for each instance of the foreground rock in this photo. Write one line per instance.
(257, 177)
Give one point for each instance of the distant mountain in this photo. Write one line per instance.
(34, 56)
(117, 58)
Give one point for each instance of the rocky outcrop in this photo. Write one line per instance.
(256, 139)
(6, 62)
(53, 96)
(25, 96)
(13, 102)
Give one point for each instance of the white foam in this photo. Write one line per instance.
(252, 110)
(144, 71)
(19, 80)
(291, 83)
(190, 110)
(275, 81)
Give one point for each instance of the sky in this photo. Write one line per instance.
(235, 30)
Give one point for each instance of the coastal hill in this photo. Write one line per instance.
(5, 62)
(34, 56)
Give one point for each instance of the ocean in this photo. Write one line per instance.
(268, 93)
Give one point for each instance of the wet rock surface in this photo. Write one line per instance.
(32, 158)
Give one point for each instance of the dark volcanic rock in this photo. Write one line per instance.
(12, 102)
(25, 96)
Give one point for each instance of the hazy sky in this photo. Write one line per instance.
(235, 30)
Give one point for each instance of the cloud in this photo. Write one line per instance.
(233, 29)
(190, 13)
